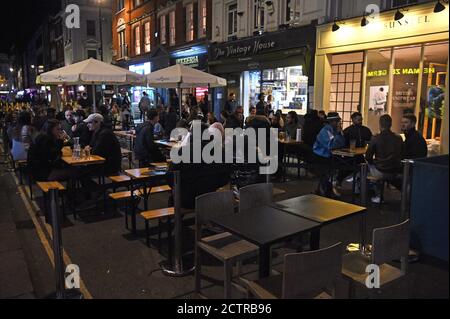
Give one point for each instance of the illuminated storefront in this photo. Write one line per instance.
(387, 66)
(136, 91)
(276, 64)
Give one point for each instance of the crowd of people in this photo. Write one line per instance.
(39, 134)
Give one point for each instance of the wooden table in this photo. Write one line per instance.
(91, 160)
(141, 176)
(324, 211)
(264, 227)
(168, 144)
(346, 152)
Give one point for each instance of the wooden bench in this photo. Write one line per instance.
(158, 214)
(45, 187)
(119, 179)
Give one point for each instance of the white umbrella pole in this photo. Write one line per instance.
(93, 98)
(180, 101)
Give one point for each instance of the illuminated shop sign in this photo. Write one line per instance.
(143, 68)
(405, 71)
(190, 52)
(190, 61)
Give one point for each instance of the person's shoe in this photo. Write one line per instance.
(336, 187)
(376, 199)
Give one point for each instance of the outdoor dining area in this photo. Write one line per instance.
(157, 228)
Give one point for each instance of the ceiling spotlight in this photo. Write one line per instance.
(439, 7)
(364, 20)
(335, 26)
(398, 15)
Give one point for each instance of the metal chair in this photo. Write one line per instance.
(224, 246)
(309, 275)
(388, 244)
(256, 195)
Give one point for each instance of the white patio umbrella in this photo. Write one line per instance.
(182, 77)
(91, 72)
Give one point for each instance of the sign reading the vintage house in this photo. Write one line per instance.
(243, 50)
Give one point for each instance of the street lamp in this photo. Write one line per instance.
(100, 22)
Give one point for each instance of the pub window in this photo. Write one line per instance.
(232, 20)
(120, 5)
(122, 44)
(203, 18)
(172, 28)
(163, 29)
(258, 15)
(90, 28)
(189, 22)
(147, 38)
(137, 40)
(345, 90)
(137, 3)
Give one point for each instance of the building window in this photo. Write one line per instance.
(258, 15)
(92, 54)
(147, 38)
(137, 3)
(120, 5)
(203, 18)
(163, 29)
(189, 22)
(346, 78)
(122, 45)
(90, 28)
(172, 28)
(232, 20)
(137, 40)
(401, 3)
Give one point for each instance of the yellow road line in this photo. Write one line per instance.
(44, 240)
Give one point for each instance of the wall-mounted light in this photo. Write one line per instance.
(364, 20)
(398, 15)
(439, 7)
(335, 26)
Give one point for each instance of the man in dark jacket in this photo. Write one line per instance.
(415, 145)
(384, 153)
(357, 132)
(145, 149)
(105, 144)
(313, 125)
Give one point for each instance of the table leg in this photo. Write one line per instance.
(314, 242)
(264, 261)
(133, 210)
(354, 186)
(362, 244)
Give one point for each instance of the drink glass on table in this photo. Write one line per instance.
(87, 152)
(352, 145)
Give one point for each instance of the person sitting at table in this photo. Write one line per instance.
(68, 123)
(80, 129)
(292, 125)
(384, 154)
(145, 149)
(357, 132)
(105, 144)
(415, 145)
(329, 138)
(44, 155)
(313, 125)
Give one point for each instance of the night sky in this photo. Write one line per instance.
(20, 18)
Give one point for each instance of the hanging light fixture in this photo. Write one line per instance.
(398, 15)
(439, 7)
(364, 20)
(335, 26)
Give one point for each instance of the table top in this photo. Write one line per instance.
(346, 152)
(290, 142)
(319, 209)
(125, 134)
(91, 160)
(141, 173)
(265, 225)
(169, 144)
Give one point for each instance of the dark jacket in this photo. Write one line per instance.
(311, 129)
(145, 148)
(361, 134)
(67, 127)
(82, 131)
(44, 155)
(385, 151)
(105, 144)
(414, 146)
(230, 106)
(170, 122)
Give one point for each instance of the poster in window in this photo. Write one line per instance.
(378, 99)
(435, 102)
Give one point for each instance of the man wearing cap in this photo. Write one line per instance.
(105, 144)
(329, 138)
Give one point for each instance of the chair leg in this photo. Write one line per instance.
(147, 232)
(159, 235)
(381, 194)
(198, 271)
(228, 274)
(30, 186)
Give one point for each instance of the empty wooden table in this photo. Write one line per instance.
(324, 211)
(265, 226)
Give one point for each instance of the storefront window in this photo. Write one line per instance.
(377, 86)
(433, 89)
(406, 77)
(345, 90)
